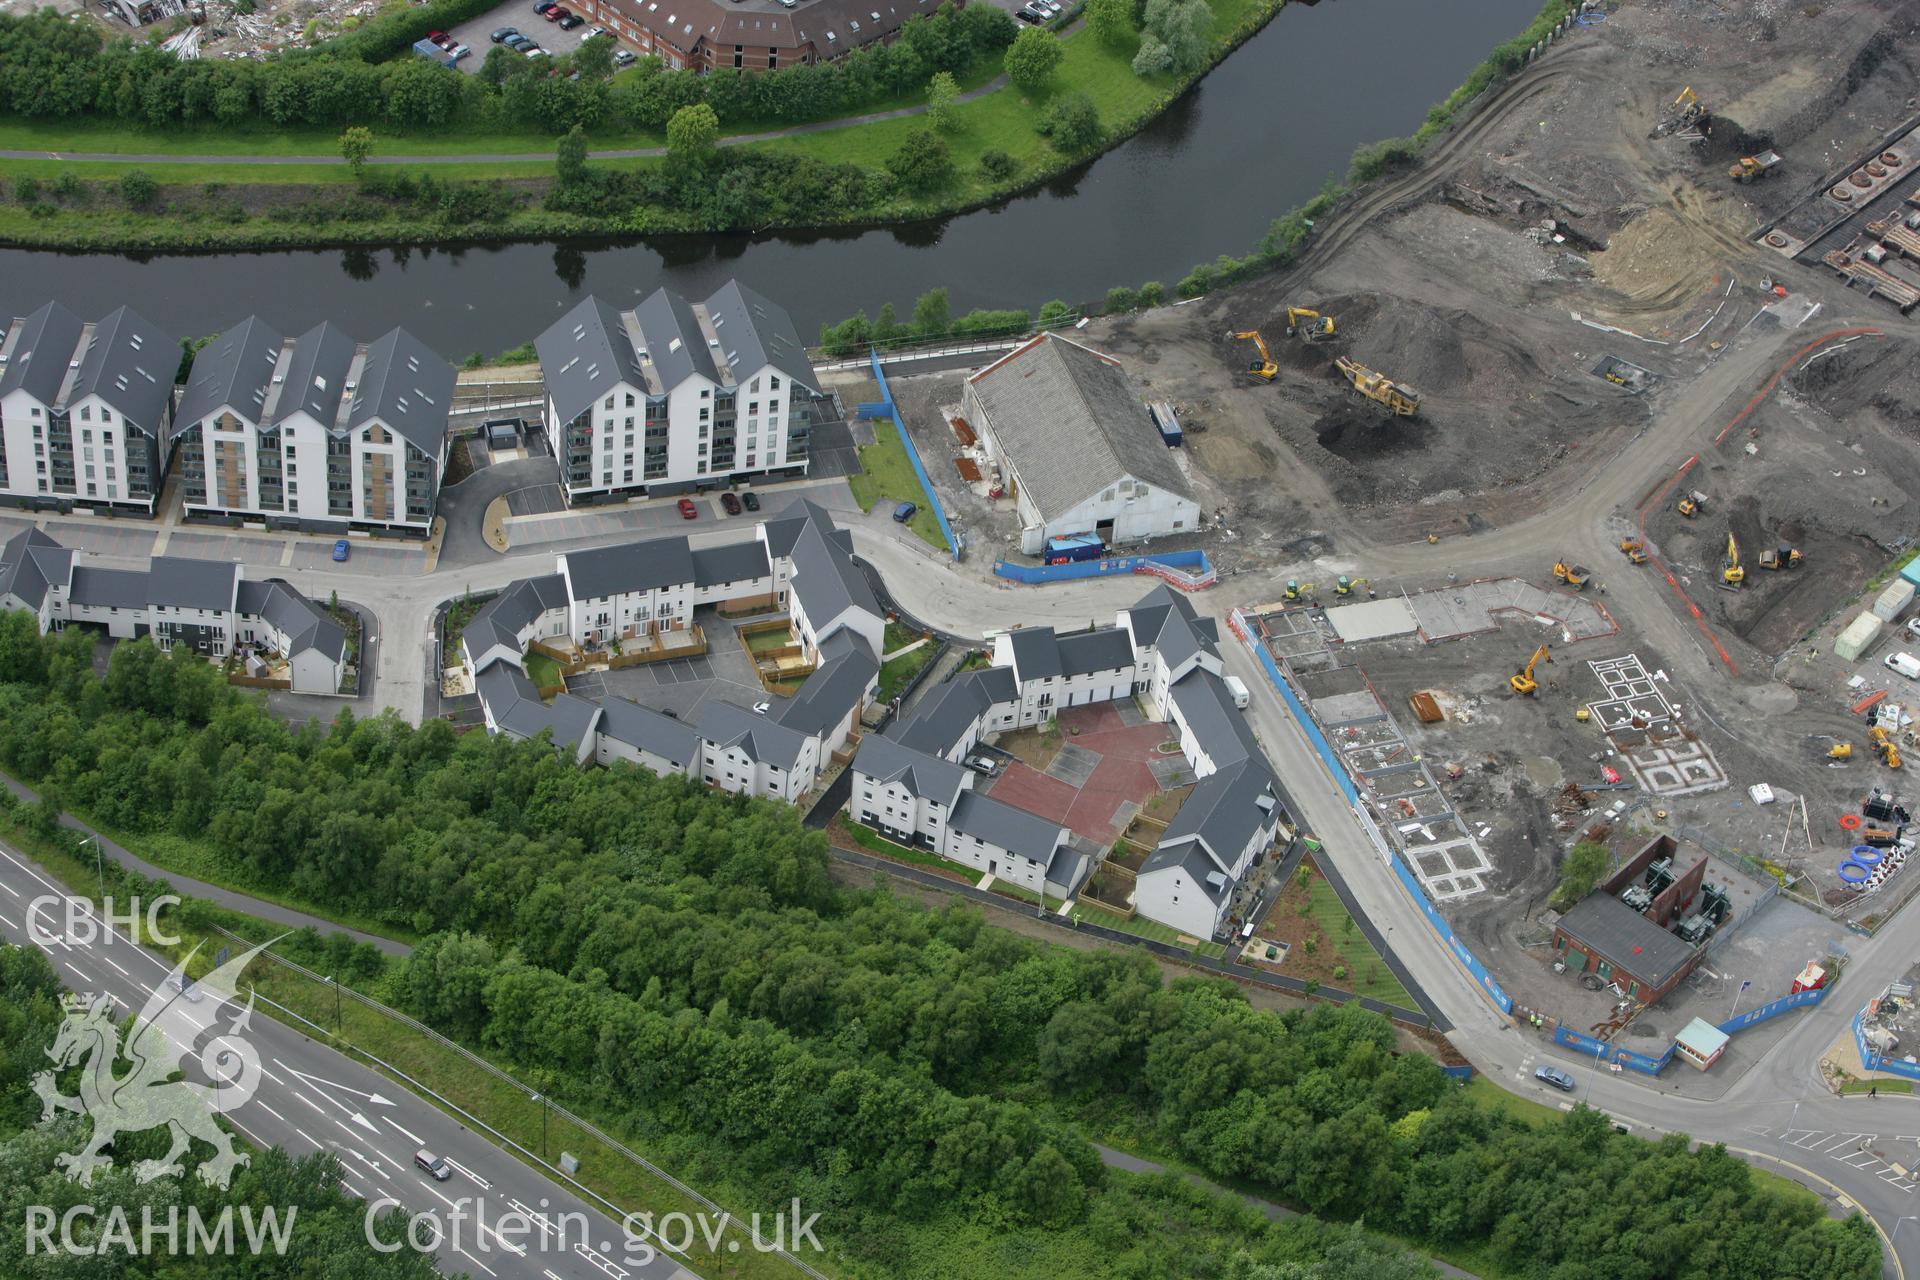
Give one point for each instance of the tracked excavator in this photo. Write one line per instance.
(1731, 572)
(1308, 325)
(1403, 401)
(1264, 368)
(1522, 681)
(1884, 744)
(1297, 590)
(1345, 586)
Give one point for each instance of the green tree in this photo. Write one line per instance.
(693, 135)
(1032, 58)
(1111, 22)
(356, 144)
(932, 314)
(1180, 33)
(570, 158)
(922, 161)
(997, 165)
(1072, 124)
(1153, 56)
(1121, 298)
(1580, 871)
(943, 98)
(1055, 313)
(1152, 293)
(594, 58)
(138, 189)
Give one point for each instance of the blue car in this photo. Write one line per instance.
(341, 549)
(905, 512)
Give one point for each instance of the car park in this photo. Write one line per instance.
(503, 35)
(983, 764)
(341, 550)
(750, 500)
(1555, 1077)
(687, 510)
(731, 503)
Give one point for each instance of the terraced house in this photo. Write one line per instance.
(675, 396)
(316, 432)
(84, 411)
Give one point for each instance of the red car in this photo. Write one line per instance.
(556, 13)
(731, 503)
(687, 510)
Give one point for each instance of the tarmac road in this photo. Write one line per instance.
(311, 1098)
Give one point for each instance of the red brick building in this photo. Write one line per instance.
(752, 35)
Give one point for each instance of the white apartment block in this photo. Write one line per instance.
(84, 411)
(316, 432)
(674, 396)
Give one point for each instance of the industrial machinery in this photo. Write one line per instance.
(1747, 168)
(1522, 681)
(1884, 744)
(1691, 504)
(1688, 113)
(1634, 550)
(1402, 400)
(1574, 575)
(1308, 325)
(1296, 589)
(1346, 585)
(1731, 574)
(1840, 751)
(1264, 368)
(1780, 557)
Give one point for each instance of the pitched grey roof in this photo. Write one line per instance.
(1040, 652)
(1225, 809)
(30, 562)
(730, 562)
(1610, 929)
(763, 739)
(129, 363)
(47, 340)
(943, 716)
(1036, 656)
(754, 333)
(517, 709)
(600, 572)
(584, 355)
(1188, 855)
(408, 388)
(1204, 703)
(316, 375)
(784, 529)
(1014, 830)
(1165, 619)
(500, 619)
(305, 624)
(1072, 424)
(675, 346)
(183, 583)
(234, 370)
(926, 776)
(109, 588)
(825, 579)
(645, 729)
(838, 686)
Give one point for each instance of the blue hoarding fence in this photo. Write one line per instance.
(1872, 1059)
(1501, 1000)
(1773, 1009)
(1189, 569)
(1307, 724)
(1462, 1074)
(913, 455)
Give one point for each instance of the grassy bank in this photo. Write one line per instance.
(313, 205)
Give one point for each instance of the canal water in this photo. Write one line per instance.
(1259, 135)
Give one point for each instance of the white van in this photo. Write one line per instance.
(1904, 664)
(1238, 688)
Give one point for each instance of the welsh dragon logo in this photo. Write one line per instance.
(177, 1016)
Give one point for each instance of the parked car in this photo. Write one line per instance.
(905, 512)
(440, 38)
(788, 4)
(458, 51)
(541, 6)
(556, 13)
(518, 43)
(731, 503)
(597, 31)
(341, 550)
(983, 764)
(1913, 628)
(503, 35)
(1026, 14)
(1904, 664)
(687, 510)
(571, 21)
(761, 708)
(1555, 1077)
(625, 58)
(750, 500)
(537, 52)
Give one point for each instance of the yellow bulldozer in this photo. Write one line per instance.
(1884, 744)
(1731, 572)
(1403, 401)
(1780, 557)
(1308, 325)
(1634, 550)
(1573, 575)
(1522, 681)
(1264, 368)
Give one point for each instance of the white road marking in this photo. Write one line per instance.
(309, 1137)
(351, 1189)
(9, 888)
(309, 1101)
(414, 1138)
(269, 1110)
(116, 968)
(475, 1261)
(483, 1183)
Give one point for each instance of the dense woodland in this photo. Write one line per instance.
(327, 1240)
(54, 69)
(678, 962)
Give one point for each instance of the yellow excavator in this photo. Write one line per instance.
(1691, 504)
(1780, 557)
(1883, 743)
(1297, 590)
(1634, 550)
(1522, 681)
(1687, 104)
(1345, 586)
(1731, 574)
(1308, 325)
(1404, 401)
(1573, 575)
(1264, 368)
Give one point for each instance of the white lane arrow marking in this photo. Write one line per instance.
(483, 1183)
(378, 1100)
(410, 1136)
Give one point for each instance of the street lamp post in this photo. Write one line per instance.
(336, 1001)
(545, 1110)
(99, 868)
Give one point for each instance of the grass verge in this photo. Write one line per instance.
(895, 672)
(886, 475)
(1326, 944)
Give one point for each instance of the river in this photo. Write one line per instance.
(1259, 135)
